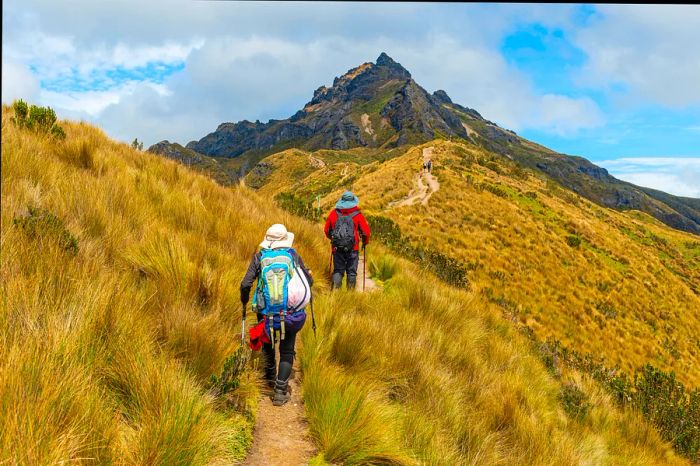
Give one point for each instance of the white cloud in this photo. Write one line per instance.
(18, 82)
(230, 78)
(93, 103)
(650, 49)
(233, 72)
(675, 175)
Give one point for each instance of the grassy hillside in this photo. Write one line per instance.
(619, 285)
(423, 372)
(120, 275)
(119, 301)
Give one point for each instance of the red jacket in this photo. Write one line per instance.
(361, 226)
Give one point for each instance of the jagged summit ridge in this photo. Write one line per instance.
(372, 105)
(379, 105)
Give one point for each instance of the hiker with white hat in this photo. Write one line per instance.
(345, 227)
(283, 290)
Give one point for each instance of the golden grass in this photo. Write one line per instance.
(424, 374)
(105, 354)
(629, 292)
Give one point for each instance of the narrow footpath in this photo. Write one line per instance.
(281, 434)
(422, 191)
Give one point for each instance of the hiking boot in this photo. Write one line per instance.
(282, 393)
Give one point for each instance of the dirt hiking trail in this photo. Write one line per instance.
(281, 435)
(422, 191)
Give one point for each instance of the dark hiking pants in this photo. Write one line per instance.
(287, 354)
(345, 263)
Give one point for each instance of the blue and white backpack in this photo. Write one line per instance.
(271, 298)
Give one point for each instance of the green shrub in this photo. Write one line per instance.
(21, 112)
(573, 240)
(298, 206)
(39, 223)
(496, 190)
(229, 380)
(39, 119)
(575, 401)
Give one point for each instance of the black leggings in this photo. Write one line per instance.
(286, 356)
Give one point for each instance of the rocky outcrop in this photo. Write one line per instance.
(176, 152)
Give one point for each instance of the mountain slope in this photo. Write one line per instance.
(117, 291)
(566, 268)
(118, 273)
(379, 105)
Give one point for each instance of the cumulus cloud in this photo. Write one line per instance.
(648, 49)
(233, 71)
(230, 78)
(18, 82)
(179, 68)
(675, 175)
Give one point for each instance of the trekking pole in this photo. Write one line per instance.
(243, 326)
(364, 265)
(313, 318)
(330, 267)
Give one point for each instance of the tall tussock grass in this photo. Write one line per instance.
(107, 349)
(424, 373)
(119, 301)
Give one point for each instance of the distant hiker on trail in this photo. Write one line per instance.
(430, 166)
(425, 167)
(282, 292)
(344, 227)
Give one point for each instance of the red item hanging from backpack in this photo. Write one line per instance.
(258, 336)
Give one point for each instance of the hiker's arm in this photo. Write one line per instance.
(329, 225)
(364, 229)
(307, 272)
(250, 276)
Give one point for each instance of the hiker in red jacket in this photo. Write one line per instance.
(345, 227)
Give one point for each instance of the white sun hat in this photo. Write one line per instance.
(277, 236)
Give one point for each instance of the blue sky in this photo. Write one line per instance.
(617, 84)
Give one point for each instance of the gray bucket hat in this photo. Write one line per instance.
(347, 201)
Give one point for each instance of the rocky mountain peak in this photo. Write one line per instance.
(442, 97)
(395, 69)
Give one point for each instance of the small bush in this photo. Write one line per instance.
(230, 377)
(21, 112)
(573, 240)
(298, 206)
(575, 401)
(40, 223)
(39, 119)
(495, 190)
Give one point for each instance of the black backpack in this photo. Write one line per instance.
(343, 234)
